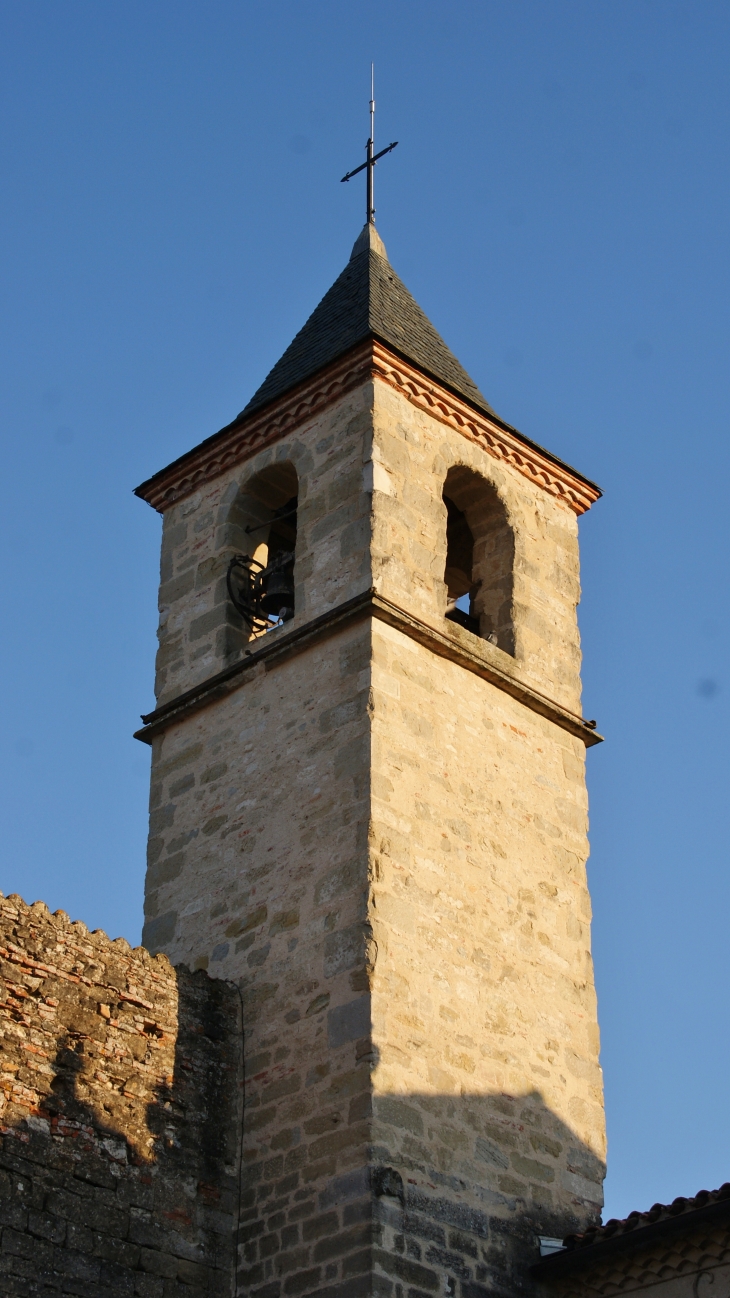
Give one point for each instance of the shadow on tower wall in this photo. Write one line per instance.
(405, 1196)
(120, 1158)
(479, 1178)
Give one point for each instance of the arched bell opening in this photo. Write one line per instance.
(480, 553)
(458, 574)
(262, 534)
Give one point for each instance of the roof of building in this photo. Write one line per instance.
(637, 1230)
(367, 300)
(659, 1212)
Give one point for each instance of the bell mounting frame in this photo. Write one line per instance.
(247, 581)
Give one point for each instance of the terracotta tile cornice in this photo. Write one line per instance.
(493, 436)
(370, 360)
(239, 441)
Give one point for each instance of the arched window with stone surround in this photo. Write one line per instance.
(480, 553)
(260, 538)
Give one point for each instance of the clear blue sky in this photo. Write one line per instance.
(170, 212)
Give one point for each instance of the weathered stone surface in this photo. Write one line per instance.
(390, 861)
(119, 1116)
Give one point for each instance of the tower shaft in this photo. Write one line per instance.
(373, 819)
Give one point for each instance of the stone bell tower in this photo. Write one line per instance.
(368, 809)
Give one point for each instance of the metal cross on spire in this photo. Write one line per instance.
(372, 158)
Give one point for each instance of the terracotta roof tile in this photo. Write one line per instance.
(659, 1212)
(596, 1250)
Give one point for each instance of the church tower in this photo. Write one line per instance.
(368, 809)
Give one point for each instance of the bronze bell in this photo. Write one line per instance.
(279, 597)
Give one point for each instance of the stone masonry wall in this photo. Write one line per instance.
(332, 556)
(257, 866)
(412, 453)
(119, 1116)
(267, 885)
(387, 854)
(487, 1093)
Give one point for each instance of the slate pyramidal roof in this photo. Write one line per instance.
(367, 301)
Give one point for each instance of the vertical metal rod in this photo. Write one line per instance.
(371, 149)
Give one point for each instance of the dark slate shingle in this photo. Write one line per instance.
(368, 300)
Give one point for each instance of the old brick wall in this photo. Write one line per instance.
(119, 1116)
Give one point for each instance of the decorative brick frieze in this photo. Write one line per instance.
(500, 441)
(238, 442)
(371, 360)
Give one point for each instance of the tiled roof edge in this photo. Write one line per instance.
(240, 421)
(487, 413)
(638, 1230)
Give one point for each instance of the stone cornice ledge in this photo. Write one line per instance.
(478, 657)
(369, 360)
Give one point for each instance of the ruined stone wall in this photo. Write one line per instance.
(119, 1116)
